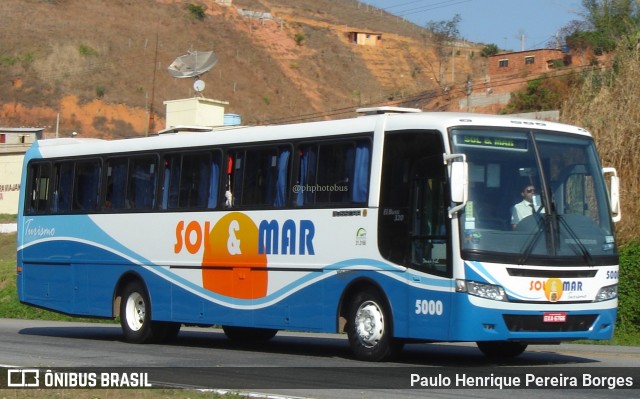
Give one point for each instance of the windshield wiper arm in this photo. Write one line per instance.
(532, 242)
(585, 252)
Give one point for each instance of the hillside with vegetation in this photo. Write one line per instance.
(99, 67)
(603, 97)
(605, 100)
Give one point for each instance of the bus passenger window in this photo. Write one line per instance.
(39, 180)
(257, 177)
(214, 183)
(186, 181)
(334, 173)
(282, 179)
(233, 177)
(142, 181)
(115, 197)
(63, 191)
(307, 175)
(87, 176)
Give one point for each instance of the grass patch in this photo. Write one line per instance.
(7, 218)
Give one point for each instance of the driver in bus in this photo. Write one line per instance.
(525, 207)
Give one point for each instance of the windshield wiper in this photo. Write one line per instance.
(532, 242)
(550, 220)
(585, 252)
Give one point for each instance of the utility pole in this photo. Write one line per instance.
(152, 121)
(468, 87)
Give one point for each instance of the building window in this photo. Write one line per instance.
(503, 63)
(529, 60)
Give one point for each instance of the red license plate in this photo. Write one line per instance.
(554, 317)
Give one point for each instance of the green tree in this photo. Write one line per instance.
(607, 22)
(489, 49)
(541, 94)
(443, 33)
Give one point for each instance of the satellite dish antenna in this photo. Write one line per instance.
(198, 85)
(192, 65)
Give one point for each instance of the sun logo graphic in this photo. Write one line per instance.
(234, 251)
(231, 264)
(553, 289)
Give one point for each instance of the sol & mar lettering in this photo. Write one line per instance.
(290, 238)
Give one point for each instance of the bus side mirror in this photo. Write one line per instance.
(614, 193)
(458, 181)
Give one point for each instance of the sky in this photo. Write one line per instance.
(510, 24)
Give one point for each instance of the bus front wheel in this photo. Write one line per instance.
(135, 313)
(369, 328)
(501, 349)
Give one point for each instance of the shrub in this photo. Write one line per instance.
(196, 11)
(86, 50)
(100, 90)
(629, 289)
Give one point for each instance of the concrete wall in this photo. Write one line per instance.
(195, 111)
(10, 173)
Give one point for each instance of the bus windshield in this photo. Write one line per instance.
(534, 198)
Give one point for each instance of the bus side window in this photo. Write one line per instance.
(63, 191)
(334, 173)
(142, 183)
(282, 178)
(116, 184)
(233, 178)
(39, 182)
(308, 156)
(214, 183)
(257, 177)
(335, 163)
(259, 170)
(87, 183)
(187, 180)
(359, 183)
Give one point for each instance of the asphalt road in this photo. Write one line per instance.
(321, 365)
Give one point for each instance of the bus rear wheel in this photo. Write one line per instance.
(369, 328)
(135, 313)
(501, 349)
(165, 331)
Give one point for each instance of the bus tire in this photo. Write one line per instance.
(165, 331)
(501, 349)
(135, 313)
(249, 334)
(369, 328)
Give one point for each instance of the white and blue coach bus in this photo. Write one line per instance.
(395, 226)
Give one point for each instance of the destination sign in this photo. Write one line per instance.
(488, 141)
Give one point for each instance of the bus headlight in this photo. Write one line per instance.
(488, 291)
(607, 293)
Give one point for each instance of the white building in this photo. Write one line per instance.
(14, 142)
